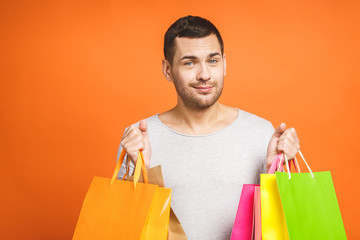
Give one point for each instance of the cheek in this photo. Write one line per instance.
(218, 74)
(185, 77)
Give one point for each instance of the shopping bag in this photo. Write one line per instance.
(248, 221)
(310, 205)
(116, 209)
(243, 227)
(176, 231)
(273, 225)
(257, 214)
(247, 224)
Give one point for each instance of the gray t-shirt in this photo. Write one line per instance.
(206, 172)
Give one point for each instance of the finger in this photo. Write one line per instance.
(279, 130)
(294, 134)
(132, 149)
(289, 152)
(128, 131)
(134, 132)
(143, 125)
(128, 135)
(288, 137)
(291, 134)
(288, 141)
(288, 147)
(133, 139)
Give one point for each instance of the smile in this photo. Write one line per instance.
(204, 89)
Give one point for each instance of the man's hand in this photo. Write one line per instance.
(283, 140)
(136, 139)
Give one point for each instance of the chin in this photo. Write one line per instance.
(201, 105)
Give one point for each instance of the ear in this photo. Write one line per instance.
(224, 60)
(166, 69)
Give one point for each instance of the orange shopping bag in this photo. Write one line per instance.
(116, 209)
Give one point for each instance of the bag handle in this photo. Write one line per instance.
(277, 164)
(294, 161)
(307, 165)
(140, 165)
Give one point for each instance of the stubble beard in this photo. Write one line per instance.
(198, 101)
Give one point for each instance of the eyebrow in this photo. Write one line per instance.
(214, 54)
(194, 57)
(188, 57)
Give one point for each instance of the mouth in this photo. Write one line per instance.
(204, 89)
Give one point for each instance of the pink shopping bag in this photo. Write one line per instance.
(257, 214)
(244, 220)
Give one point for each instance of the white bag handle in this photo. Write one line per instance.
(307, 165)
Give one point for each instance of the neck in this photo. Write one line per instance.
(196, 121)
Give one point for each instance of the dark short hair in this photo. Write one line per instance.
(192, 27)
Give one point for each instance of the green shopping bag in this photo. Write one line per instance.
(310, 205)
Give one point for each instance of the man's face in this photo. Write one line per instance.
(197, 71)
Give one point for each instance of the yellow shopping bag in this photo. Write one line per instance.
(116, 209)
(273, 224)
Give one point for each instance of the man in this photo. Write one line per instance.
(207, 150)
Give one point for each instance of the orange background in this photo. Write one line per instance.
(75, 74)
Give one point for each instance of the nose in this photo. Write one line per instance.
(203, 73)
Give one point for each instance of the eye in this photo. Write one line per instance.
(189, 63)
(213, 61)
